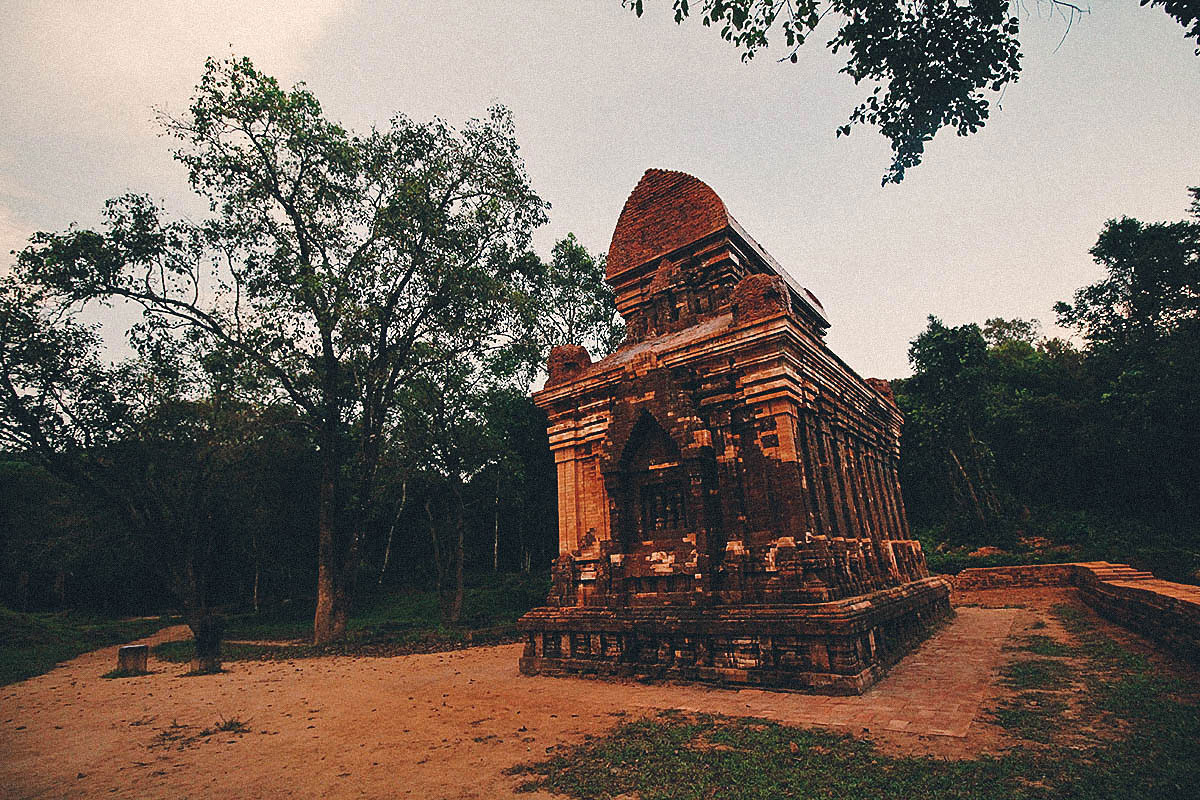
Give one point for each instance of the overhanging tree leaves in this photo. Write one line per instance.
(933, 64)
(340, 265)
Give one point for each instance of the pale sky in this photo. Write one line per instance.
(994, 224)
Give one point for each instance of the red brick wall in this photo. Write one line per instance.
(1172, 622)
(1014, 577)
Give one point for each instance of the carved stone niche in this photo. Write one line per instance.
(657, 496)
(729, 507)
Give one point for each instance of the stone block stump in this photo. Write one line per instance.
(132, 658)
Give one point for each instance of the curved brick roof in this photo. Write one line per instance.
(667, 210)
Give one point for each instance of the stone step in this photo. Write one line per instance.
(1117, 572)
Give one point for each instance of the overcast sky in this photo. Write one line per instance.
(995, 224)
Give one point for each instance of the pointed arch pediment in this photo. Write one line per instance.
(648, 444)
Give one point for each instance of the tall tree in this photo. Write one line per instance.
(933, 64)
(945, 424)
(332, 261)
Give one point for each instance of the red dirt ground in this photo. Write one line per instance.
(443, 725)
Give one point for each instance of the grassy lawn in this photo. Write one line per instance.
(31, 644)
(1091, 718)
(394, 624)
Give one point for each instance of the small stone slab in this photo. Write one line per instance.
(132, 657)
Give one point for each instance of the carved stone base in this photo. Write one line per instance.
(839, 647)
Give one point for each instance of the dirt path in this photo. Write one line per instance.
(431, 726)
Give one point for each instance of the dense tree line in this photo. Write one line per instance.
(62, 546)
(1009, 434)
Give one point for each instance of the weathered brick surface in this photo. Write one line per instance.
(723, 459)
(567, 361)
(1013, 577)
(1166, 612)
(666, 211)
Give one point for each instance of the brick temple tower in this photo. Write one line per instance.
(729, 507)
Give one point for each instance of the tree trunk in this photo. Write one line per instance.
(330, 587)
(524, 550)
(60, 588)
(439, 573)
(496, 527)
(341, 611)
(459, 526)
(387, 551)
(257, 571)
(207, 628)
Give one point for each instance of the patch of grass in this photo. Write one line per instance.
(231, 725)
(124, 673)
(735, 759)
(1042, 645)
(1038, 673)
(33, 643)
(1137, 694)
(1095, 644)
(174, 735)
(179, 736)
(1035, 716)
(1073, 618)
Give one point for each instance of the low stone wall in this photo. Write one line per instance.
(1166, 612)
(1033, 575)
(1162, 613)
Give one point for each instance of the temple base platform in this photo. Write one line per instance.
(838, 647)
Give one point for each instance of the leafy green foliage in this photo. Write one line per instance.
(575, 304)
